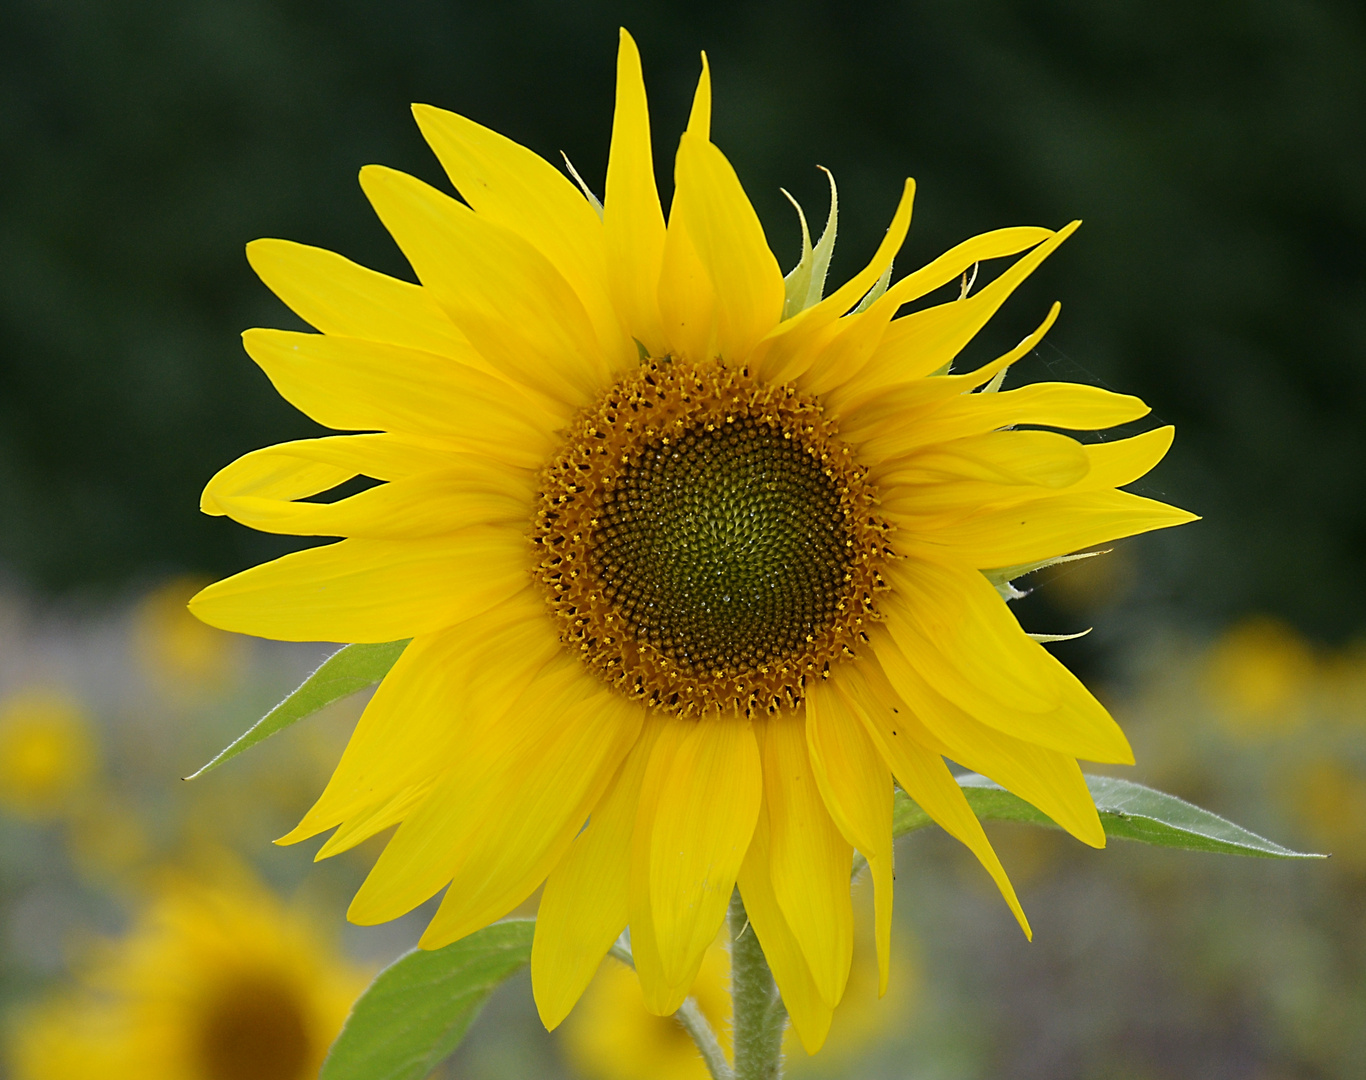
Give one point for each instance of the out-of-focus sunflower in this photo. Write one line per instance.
(177, 651)
(612, 1036)
(213, 982)
(47, 753)
(686, 551)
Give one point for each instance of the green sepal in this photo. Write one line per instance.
(1128, 811)
(418, 1009)
(345, 672)
(1003, 576)
(804, 286)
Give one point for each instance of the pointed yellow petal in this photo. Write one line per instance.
(632, 221)
(510, 186)
(687, 300)
(901, 354)
(1114, 464)
(1029, 532)
(337, 296)
(532, 815)
(699, 119)
(375, 819)
(444, 688)
(585, 905)
(809, 861)
(370, 590)
(520, 777)
(695, 851)
(712, 207)
(1074, 406)
(809, 1011)
(964, 476)
(296, 470)
(475, 491)
(926, 779)
(347, 383)
(504, 295)
(861, 404)
(857, 788)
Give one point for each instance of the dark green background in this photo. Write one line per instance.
(1217, 151)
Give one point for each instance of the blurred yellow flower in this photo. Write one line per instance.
(47, 753)
(1260, 677)
(214, 982)
(176, 649)
(1329, 797)
(611, 1036)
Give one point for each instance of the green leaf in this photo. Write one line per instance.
(342, 674)
(1128, 811)
(418, 1008)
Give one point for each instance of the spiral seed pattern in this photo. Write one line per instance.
(725, 550)
(706, 542)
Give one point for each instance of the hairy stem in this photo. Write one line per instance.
(759, 1016)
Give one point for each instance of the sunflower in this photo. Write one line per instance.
(48, 754)
(687, 551)
(217, 980)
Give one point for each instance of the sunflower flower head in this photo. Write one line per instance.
(697, 555)
(215, 981)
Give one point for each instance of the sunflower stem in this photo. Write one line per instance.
(758, 1016)
(690, 1018)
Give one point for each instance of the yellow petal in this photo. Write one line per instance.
(1045, 778)
(510, 186)
(474, 492)
(809, 1011)
(585, 905)
(295, 470)
(444, 687)
(337, 296)
(497, 785)
(662, 995)
(926, 779)
(941, 625)
(1013, 458)
(861, 405)
(370, 590)
(699, 118)
(1114, 464)
(686, 298)
(713, 210)
(809, 861)
(1031, 531)
(900, 355)
(857, 789)
(352, 384)
(696, 851)
(374, 819)
(552, 782)
(1074, 406)
(949, 628)
(632, 221)
(504, 295)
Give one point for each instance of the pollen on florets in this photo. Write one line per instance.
(706, 541)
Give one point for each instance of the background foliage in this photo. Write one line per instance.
(1215, 150)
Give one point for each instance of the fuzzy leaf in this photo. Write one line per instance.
(418, 1008)
(342, 674)
(1128, 811)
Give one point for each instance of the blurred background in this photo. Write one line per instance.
(1216, 153)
